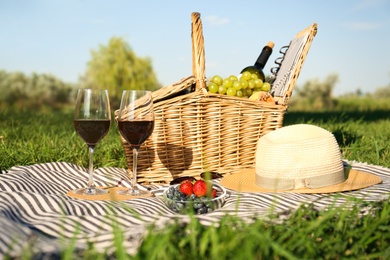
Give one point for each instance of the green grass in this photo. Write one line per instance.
(363, 136)
(30, 137)
(307, 234)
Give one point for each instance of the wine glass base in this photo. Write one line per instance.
(90, 191)
(138, 193)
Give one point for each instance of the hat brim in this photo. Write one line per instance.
(245, 181)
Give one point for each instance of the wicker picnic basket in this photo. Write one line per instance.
(200, 131)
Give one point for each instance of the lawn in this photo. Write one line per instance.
(28, 137)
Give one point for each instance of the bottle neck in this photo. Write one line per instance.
(263, 57)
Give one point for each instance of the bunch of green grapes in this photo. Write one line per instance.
(244, 86)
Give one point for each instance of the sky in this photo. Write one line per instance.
(56, 36)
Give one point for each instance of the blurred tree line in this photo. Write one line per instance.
(318, 94)
(114, 67)
(33, 92)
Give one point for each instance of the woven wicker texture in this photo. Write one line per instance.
(200, 131)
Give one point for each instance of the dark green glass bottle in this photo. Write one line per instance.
(259, 65)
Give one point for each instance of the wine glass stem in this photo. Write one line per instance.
(91, 186)
(135, 162)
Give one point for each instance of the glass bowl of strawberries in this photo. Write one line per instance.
(196, 197)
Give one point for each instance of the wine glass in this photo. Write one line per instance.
(136, 124)
(92, 119)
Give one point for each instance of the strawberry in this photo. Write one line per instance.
(200, 188)
(213, 193)
(186, 187)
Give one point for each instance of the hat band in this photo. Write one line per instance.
(293, 184)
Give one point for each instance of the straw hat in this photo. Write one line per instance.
(300, 158)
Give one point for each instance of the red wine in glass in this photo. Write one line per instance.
(92, 119)
(135, 124)
(136, 132)
(92, 131)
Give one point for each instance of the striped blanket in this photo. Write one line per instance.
(34, 208)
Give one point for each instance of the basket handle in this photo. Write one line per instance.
(198, 54)
(198, 66)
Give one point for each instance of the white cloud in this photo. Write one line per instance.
(366, 4)
(362, 26)
(216, 21)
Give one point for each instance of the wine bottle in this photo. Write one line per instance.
(259, 65)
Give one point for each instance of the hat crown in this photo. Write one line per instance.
(298, 156)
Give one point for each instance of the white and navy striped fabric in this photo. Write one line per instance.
(34, 208)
